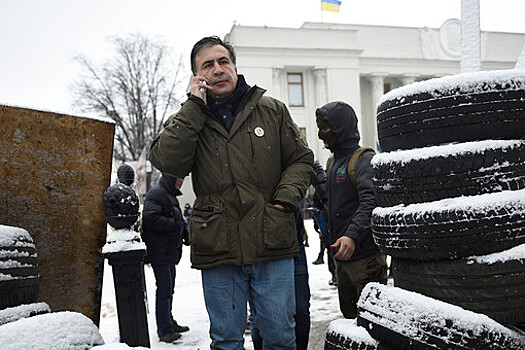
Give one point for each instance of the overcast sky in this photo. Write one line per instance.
(38, 38)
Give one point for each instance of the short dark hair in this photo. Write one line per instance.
(207, 42)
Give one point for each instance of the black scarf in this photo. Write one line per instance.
(224, 110)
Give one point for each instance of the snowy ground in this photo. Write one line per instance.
(189, 309)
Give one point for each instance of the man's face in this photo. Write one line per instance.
(179, 182)
(214, 63)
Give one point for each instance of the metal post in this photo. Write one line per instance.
(125, 253)
(128, 277)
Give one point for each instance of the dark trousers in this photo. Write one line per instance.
(330, 258)
(353, 276)
(165, 281)
(302, 306)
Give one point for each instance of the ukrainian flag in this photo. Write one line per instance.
(330, 5)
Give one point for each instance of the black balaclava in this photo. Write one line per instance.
(330, 138)
(341, 118)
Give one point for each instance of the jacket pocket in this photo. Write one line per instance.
(279, 232)
(208, 232)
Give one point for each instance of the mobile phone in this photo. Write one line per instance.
(202, 90)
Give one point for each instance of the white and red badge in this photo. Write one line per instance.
(258, 131)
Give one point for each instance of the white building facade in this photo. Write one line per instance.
(317, 63)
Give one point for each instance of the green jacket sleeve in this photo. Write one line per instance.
(297, 159)
(173, 150)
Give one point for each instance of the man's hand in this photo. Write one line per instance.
(346, 248)
(197, 83)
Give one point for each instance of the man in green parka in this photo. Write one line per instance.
(250, 167)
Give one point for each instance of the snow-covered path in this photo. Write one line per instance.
(189, 308)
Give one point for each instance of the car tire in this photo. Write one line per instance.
(434, 173)
(344, 334)
(18, 265)
(493, 285)
(408, 320)
(452, 228)
(461, 108)
(16, 313)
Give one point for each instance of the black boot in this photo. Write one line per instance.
(180, 329)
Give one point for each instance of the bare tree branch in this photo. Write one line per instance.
(137, 88)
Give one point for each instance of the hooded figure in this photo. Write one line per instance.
(162, 223)
(163, 232)
(358, 258)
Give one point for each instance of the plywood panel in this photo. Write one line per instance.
(54, 169)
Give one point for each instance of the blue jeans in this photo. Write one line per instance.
(302, 306)
(165, 280)
(270, 288)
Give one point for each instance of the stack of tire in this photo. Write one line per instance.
(25, 323)
(450, 187)
(19, 283)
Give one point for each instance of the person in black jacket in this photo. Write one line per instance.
(320, 199)
(163, 232)
(357, 257)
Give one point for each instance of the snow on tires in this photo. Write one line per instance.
(19, 281)
(460, 108)
(451, 228)
(437, 172)
(408, 320)
(492, 284)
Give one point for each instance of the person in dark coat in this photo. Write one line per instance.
(358, 259)
(319, 201)
(163, 227)
(187, 211)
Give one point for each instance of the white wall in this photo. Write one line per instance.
(349, 55)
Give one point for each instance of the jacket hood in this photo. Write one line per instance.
(343, 121)
(168, 182)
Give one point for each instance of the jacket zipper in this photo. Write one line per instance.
(254, 160)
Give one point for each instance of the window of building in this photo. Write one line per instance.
(295, 89)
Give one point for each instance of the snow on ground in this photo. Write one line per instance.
(189, 308)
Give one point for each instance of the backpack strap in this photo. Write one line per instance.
(329, 161)
(352, 164)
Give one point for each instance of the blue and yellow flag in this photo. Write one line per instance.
(330, 5)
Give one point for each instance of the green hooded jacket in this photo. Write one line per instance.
(237, 177)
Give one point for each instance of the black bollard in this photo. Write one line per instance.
(125, 253)
(128, 277)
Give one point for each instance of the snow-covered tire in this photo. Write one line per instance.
(451, 228)
(492, 284)
(19, 283)
(56, 330)
(408, 320)
(459, 108)
(345, 334)
(438, 172)
(16, 313)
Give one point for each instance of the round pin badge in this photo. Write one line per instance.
(259, 132)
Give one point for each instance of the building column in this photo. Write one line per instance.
(277, 74)
(370, 133)
(320, 86)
